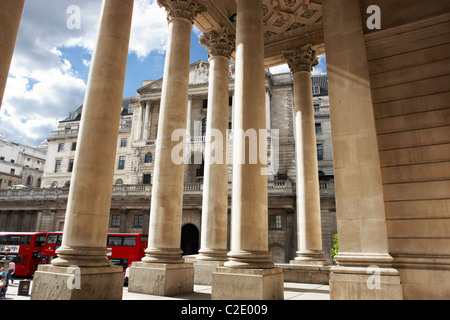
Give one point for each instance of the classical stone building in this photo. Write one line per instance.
(21, 165)
(388, 84)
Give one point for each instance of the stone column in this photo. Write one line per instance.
(148, 107)
(141, 120)
(364, 268)
(249, 273)
(10, 16)
(162, 270)
(88, 207)
(220, 45)
(309, 227)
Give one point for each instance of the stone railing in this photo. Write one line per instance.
(274, 187)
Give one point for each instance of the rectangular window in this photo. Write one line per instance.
(318, 128)
(13, 171)
(137, 221)
(147, 179)
(115, 220)
(275, 222)
(205, 103)
(123, 142)
(60, 147)
(74, 146)
(70, 168)
(58, 165)
(121, 162)
(319, 151)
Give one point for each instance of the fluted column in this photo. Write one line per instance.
(10, 16)
(220, 45)
(148, 107)
(363, 243)
(309, 227)
(88, 207)
(167, 193)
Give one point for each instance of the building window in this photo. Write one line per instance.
(315, 90)
(38, 183)
(203, 128)
(58, 165)
(148, 158)
(29, 180)
(115, 220)
(205, 103)
(123, 142)
(319, 151)
(137, 221)
(119, 182)
(275, 221)
(70, 168)
(147, 179)
(318, 128)
(60, 147)
(2, 158)
(54, 184)
(12, 171)
(74, 146)
(121, 163)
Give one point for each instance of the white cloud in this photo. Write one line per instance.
(44, 84)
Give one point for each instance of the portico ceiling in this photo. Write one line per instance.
(288, 24)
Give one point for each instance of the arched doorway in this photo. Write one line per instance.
(189, 239)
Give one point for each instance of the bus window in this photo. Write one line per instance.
(4, 239)
(40, 240)
(129, 241)
(144, 238)
(14, 240)
(114, 241)
(36, 255)
(25, 240)
(54, 239)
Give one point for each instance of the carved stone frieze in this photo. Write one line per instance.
(301, 59)
(219, 43)
(187, 9)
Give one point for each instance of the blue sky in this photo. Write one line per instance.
(51, 61)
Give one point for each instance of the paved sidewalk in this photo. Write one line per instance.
(292, 291)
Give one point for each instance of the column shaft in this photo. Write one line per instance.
(215, 185)
(167, 194)
(10, 16)
(88, 207)
(249, 234)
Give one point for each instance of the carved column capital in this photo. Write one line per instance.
(219, 43)
(301, 59)
(187, 9)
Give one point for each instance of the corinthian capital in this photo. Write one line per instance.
(219, 43)
(301, 59)
(187, 9)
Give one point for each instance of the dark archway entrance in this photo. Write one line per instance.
(189, 239)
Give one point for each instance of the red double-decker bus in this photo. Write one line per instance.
(52, 243)
(24, 248)
(124, 247)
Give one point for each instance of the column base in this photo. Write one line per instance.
(310, 258)
(161, 279)
(247, 284)
(77, 283)
(365, 277)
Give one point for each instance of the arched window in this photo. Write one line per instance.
(148, 158)
(29, 180)
(119, 182)
(54, 184)
(38, 183)
(67, 184)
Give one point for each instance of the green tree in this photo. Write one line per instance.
(335, 247)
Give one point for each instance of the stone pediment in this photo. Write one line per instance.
(198, 75)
